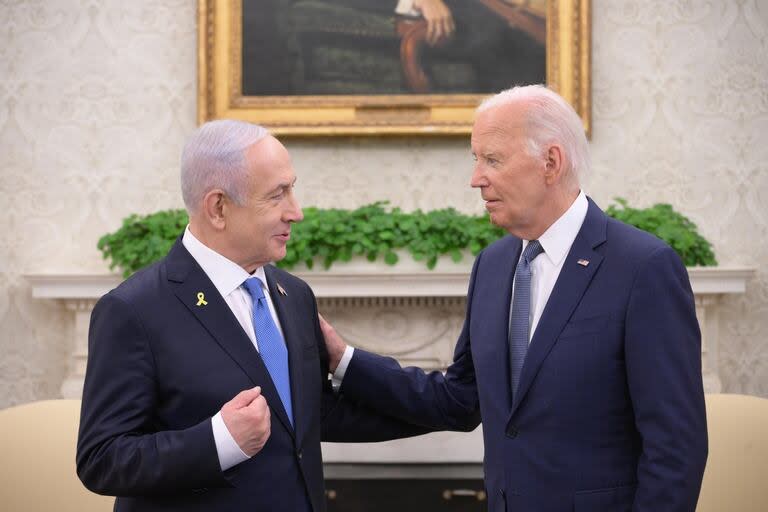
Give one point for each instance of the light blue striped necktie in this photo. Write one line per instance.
(272, 347)
(519, 321)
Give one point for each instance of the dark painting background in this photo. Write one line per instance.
(342, 47)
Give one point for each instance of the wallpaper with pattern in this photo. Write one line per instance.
(97, 96)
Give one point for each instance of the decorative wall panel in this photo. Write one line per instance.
(96, 98)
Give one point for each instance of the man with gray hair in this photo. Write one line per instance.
(206, 387)
(580, 348)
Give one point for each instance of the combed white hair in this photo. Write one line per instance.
(214, 157)
(550, 119)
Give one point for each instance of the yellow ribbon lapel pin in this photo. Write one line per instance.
(201, 299)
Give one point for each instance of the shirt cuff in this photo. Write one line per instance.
(338, 375)
(229, 452)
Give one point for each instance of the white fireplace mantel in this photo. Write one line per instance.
(382, 281)
(79, 292)
(407, 294)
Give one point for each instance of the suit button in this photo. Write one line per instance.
(511, 432)
(299, 454)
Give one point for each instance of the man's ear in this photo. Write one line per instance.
(214, 208)
(553, 164)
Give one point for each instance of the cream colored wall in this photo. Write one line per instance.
(96, 98)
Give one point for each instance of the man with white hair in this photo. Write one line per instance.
(580, 348)
(206, 386)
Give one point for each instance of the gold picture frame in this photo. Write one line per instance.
(568, 51)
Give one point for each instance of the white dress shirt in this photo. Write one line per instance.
(545, 269)
(406, 8)
(228, 277)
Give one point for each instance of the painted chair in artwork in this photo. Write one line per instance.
(363, 47)
(527, 16)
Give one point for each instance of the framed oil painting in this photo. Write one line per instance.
(401, 67)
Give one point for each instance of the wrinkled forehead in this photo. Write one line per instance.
(268, 148)
(268, 155)
(501, 124)
(269, 163)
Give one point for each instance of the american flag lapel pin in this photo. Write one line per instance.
(281, 289)
(583, 263)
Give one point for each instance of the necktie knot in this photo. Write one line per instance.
(253, 285)
(532, 250)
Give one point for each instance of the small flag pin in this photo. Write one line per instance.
(583, 263)
(281, 289)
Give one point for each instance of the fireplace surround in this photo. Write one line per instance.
(415, 316)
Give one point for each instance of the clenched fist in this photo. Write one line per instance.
(247, 418)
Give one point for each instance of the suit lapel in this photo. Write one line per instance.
(287, 314)
(569, 288)
(188, 280)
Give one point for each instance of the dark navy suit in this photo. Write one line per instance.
(160, 366)
(609, 415)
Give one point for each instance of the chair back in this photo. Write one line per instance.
(736, 477)
(37, 443)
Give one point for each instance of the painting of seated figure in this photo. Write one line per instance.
(369, 67)
(343, 47)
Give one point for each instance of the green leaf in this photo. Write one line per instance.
(390, 258)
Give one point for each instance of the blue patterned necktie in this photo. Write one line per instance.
(272, 347)
(519, 321)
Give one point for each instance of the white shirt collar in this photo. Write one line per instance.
(225, 274)
(558, 238)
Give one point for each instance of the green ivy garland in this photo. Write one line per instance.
(331, 235)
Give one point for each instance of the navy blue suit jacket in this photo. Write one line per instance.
(609, 415)
(160, 366)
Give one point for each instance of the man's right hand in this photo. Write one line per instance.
(247, 418)
(333, 343)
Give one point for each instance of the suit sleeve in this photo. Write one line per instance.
(121, 449)
(663, 357)
(434, 400)
(346, 421)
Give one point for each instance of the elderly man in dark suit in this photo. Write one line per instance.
(206, 386)
(580, 348)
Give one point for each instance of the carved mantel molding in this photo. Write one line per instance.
(371, 302)
(375, 281)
